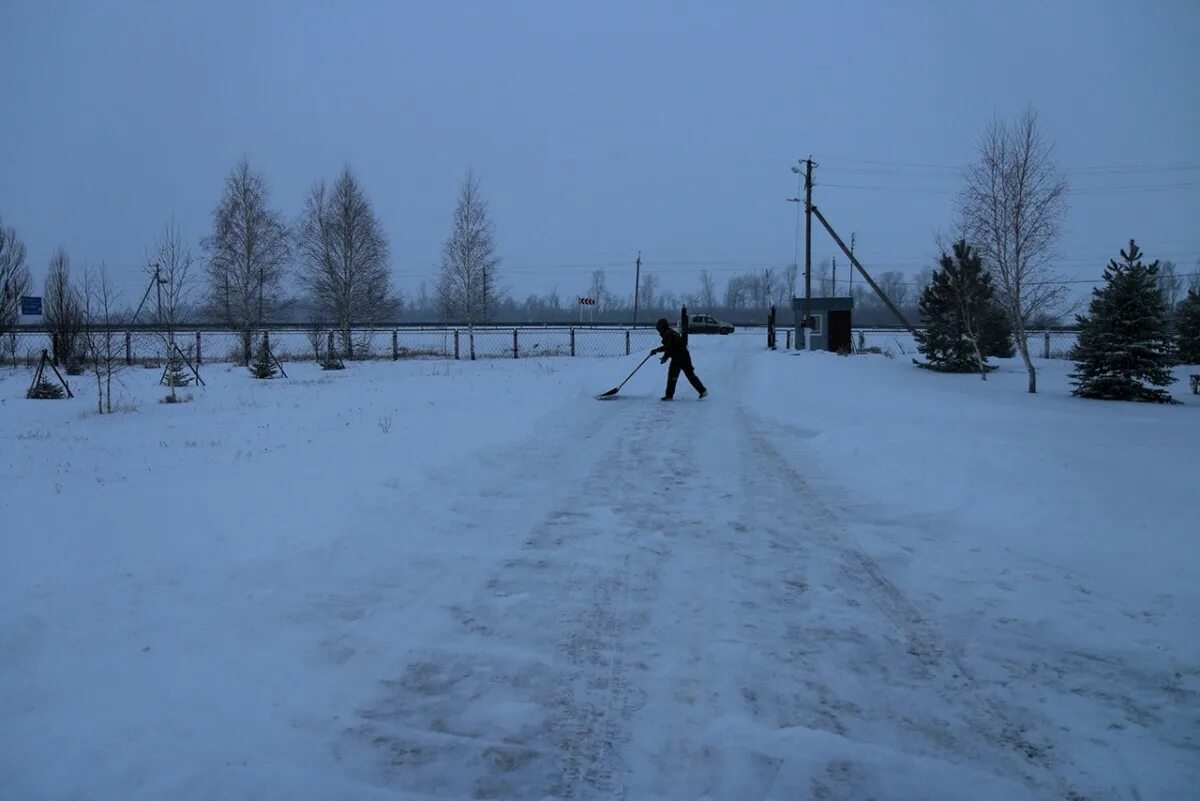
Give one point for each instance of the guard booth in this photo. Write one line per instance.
(830, 322)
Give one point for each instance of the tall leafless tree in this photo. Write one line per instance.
(1169, 284)
(1012, 207)
(824, 281)
(63, 310)
(343, 256)
(422, 303)
(895, 285)
(468, 285)
(738, 293)
(760, 288)
(649, 298)
(171, 254)
(598, 288)
(553, 302)
(707, 299)
(248, 252)
(791, 274)
(99, 339)
(169, 259)
(14, 281)
(921, 281)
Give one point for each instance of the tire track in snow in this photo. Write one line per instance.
(1006, 732)
(598, 696)
(544, 632)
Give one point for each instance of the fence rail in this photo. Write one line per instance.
(1044, 344)
(210, 345)
(140, 346)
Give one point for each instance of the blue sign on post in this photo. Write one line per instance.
(31, 306)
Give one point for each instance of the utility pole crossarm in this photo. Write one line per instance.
(887, 301)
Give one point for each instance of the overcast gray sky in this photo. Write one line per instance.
(598, 129)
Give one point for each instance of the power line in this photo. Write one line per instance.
(1086, 190)
(1065, 282)
(1101, 169)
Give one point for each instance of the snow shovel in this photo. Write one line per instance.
(617, 388)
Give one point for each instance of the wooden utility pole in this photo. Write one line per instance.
(808, 208)
(637, 281)
(833, 281)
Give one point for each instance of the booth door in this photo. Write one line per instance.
(838, 336)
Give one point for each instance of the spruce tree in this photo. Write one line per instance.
(263, 365)
(1124, 350)
(957, 309)
(1187, 328)
(175, 375)
(995, 333)
(44, 390)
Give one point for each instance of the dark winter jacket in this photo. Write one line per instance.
(672, 346)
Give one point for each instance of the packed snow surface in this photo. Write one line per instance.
(833, 578)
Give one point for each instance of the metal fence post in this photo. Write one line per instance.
(128, 348)
(514, 343)
(471, 342)
(1046, 346)
(572, 341)
(626, 341)
(788, 337)
(199, 353)
(456, 344)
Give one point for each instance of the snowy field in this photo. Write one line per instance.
(834, 578)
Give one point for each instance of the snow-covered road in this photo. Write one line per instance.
(619, 599)
(663, 608)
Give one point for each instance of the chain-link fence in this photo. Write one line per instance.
(897, 342)
(149, 348)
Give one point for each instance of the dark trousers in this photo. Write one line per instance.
(684, 365)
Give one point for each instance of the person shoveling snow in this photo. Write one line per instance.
(674, 349)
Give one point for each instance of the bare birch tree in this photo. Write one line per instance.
(707, 299)
(1012, 207)
(921, 280)
(467, 282)
(737, 293)
(650, 299)
(1169, 284)
(598, 289)
(169, 260)
(343, 256)
(14, 280)
(173, 258)
(824, 281)
(248, 251)
(791, 274)
(100, 342)
(895, 285)
(63, 311)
